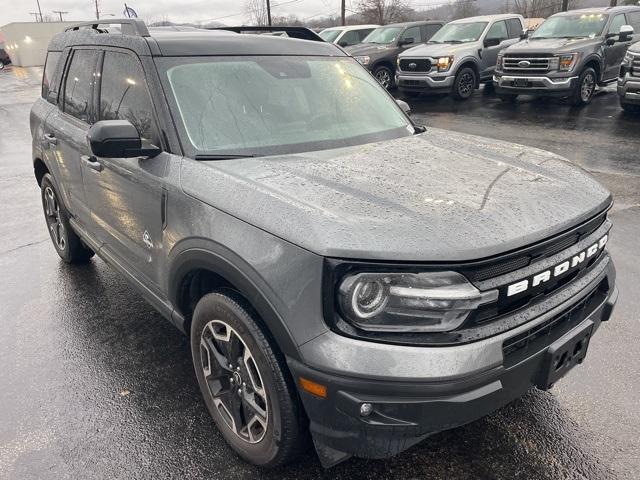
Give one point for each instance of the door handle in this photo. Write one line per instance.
(92, 163)
(51, 139)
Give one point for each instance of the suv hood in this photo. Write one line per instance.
(438, 49)
(551, 45)
(437, 196)
(369, 49)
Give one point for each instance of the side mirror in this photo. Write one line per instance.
(342, 43)
(404, 106)
(626, 33)
(117, 139)
(524, 35)
(406, 41)
(492, 42)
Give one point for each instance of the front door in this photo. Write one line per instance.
(125, 195)
(614, 54)
(498, 31)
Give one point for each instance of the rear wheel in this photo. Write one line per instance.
(384, 75)
(464, 84)
(245, 382)
(583, 94)
(65, 240)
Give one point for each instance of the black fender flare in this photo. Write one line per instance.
(593, 58)
(201, 253)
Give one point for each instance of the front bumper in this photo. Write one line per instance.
(409, 405)
(536, 85)
(629, 90)
(424, 83)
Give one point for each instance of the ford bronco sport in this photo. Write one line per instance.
(568, 55)
(459, 57)
(339, 270)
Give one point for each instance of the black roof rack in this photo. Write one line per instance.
(302, 33)
(128, 26)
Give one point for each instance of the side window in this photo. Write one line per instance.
(634, 21)
(350, 38)
(617, 22)
(498, 30)
(48, 77)
(363, 33)
(429, 31)
(515, 27)
(124, 94)
(78, 86)
(412, 32)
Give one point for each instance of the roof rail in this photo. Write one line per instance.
(302, 33)
(128, 26)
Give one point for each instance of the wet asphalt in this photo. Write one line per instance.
(95, 384)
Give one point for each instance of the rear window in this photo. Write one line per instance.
(49, 88)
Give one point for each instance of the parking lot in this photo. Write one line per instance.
(96, 384)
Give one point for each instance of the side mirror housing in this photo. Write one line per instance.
(404, 106)
(492, 42)
(524, 35)
(626, 33)
(406, 41)
(342, 43)
(117, 139)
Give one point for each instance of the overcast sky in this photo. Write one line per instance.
(226, 11)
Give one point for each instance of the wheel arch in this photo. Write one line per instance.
(595, 63)
(384, 62)
(199, 266)
(40, 169)
(471, 63)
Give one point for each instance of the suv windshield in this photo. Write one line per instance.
(572, 26)
(329, 35)
(267, 105)
(459, 33)
(384, 35)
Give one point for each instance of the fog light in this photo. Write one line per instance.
(366, 409)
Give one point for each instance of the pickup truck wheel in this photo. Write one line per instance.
(583, 93)
(65, 240)
(384, 75)
(464, 84)
(245, 382)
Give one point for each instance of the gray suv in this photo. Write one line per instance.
(342, 274)
(629, 79)
(459, 57)
(568, 55)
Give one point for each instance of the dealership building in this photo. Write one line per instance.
(26, 42)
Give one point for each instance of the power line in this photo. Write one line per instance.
(60, 12)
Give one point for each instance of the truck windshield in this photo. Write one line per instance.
(572, 26)
(329, 35)
(459, 32)
(268, 105)
(383, 35)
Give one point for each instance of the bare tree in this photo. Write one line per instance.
(463, 9)
(537, 8)
(383, 11)
(256, 12)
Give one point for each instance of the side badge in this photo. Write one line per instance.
(146, 238)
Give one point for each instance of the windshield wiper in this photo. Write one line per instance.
(221, 156)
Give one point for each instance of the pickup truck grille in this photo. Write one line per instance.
(635, 64)
(415, 65)
(527, 64)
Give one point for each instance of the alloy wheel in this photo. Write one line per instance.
(234, 381)
(384, 77)
(587, 88)
(54, 220)
(466, 85)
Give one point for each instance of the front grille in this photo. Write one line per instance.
(635, 64)
(415, 65)
(535, 338)
(528, 64)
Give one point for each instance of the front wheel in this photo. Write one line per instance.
(464, 84)
(384, 75)
(245, 382)
(583, 94)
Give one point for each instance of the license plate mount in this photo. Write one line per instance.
(521, 83)
(564, 354)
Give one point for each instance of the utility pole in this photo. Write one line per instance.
(269, 12)
(39, 11)
(343, 19)
(35, 15)
(565, 5)
(60, 12)
(97, 11)
(614, 3)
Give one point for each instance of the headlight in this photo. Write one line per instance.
(444, 63)
(409, 302)
(363, 60)
(566, 62)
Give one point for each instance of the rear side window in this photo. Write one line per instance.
(124, 94)
(48, 77)
(428, 31)
(78, 86)
(634, 21)
(515, 27)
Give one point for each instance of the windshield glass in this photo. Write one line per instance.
(459, 33)
(267, 105)
(571, 26)
(383, 35)
(329, 35)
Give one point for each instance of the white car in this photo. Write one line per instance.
(348, 35)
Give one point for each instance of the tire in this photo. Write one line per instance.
(630, 108)
(1, 64)
(230, 348)
(66, 242)
(508, 97)
(384, 75)
(464, 84)
(583, 94)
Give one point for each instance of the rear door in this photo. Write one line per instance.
(125, 195)
(66, 128)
